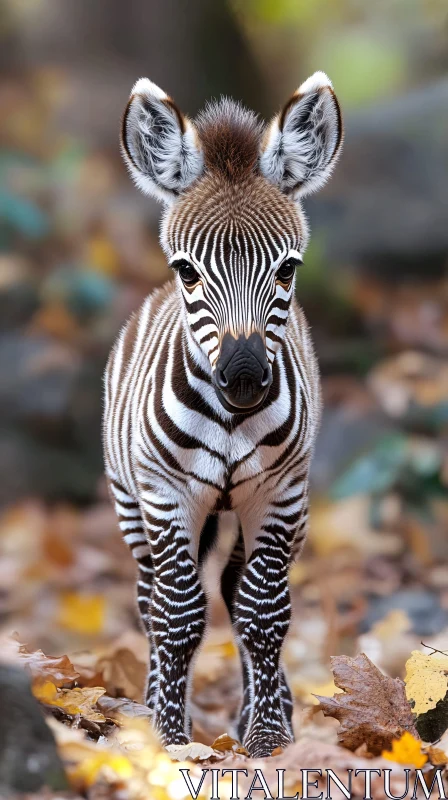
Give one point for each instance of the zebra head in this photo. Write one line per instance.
(233, 230)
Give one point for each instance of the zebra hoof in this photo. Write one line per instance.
(262, 746)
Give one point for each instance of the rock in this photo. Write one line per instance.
(28, 754)
(385, 206)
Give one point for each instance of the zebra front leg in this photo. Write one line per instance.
(262, 614)
(177, 612)
(133, 530)
(229, 582)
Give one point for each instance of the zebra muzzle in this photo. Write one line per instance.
(243, 375)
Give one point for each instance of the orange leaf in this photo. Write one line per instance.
(406, 750)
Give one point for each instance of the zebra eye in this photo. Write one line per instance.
(285, 272)
(187, 273)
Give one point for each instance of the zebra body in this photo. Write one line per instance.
(212, 398)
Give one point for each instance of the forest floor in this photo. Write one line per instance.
(372, 580)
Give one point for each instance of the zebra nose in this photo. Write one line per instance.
(242, 375)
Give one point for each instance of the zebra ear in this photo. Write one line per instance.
(159, 144)
(302, 143)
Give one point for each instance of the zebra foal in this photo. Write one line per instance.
(212, 397)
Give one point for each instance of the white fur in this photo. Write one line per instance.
(317, 81)
(300, 157)
(164, 162)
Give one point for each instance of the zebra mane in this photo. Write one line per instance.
(230, 136)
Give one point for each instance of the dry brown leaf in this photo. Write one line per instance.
(116, 707)
(123, 674)
(372, 708)
(437, 756)
(226, 743)
(59, 670)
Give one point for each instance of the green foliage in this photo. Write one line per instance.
(360, 65)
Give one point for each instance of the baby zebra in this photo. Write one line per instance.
(212, 397)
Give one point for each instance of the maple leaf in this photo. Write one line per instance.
(406, 750)
(372, 708)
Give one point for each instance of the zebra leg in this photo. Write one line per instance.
(177, 610)
(132, 528)
(229, 581)
(262, 615)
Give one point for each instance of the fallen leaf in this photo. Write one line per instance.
(406, 750)
(437, 756)
(87, 762)
(427, 692)
(59, 670)
(426, 680)
(112, 767)
(72, 701)
(226, 743)
(116, 707)
(194, 751)
(372, 707)
(82, 613)
(123, 674)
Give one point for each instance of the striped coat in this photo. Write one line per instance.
(212, 397)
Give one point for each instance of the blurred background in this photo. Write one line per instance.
(79, 251)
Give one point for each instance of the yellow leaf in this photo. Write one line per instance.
(72, 701)
(45, 692)
(426, 680)
(406, 750)
(89, 770)
(82, 613)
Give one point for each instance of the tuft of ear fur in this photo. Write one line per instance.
(302, 143)
(159, 144)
